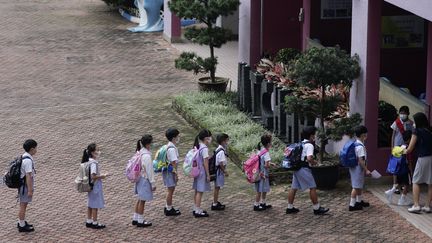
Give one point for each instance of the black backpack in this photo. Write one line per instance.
(12, 178)
(212, 165)
(293, 157)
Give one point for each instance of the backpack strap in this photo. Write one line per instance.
(24, 178)
(400, 125)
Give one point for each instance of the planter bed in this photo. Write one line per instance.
(218, 113)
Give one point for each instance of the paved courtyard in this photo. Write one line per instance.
(70, 74)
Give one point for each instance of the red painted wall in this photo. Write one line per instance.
(404, 67)
(281, 27)
(330, 32)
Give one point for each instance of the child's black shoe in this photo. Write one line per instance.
(172, 212)
(218, 207)
(259, 208)
(357, 206)
(321, 211)
(266, 206)
(98, 226)
(364, 204)
(292, 210)
(144, 224)
(26, 228)
(89, 225)
(26, 223)
(134, 222)
(203, 214)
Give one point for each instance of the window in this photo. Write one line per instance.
(336, 9)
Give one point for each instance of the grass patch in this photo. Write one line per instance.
(218, 113)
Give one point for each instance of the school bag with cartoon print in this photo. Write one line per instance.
(160, 162)
(251, 167)
(347, 156)
(293, 157)
(83, 180)
(12, 177)
(133, 168)
(212, 164)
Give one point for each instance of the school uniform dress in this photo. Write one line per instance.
(398, 138)
(143, 188)
(172, 155)
(423, 169)
(357, 172)
(303, 178)
(95, 196)
(200, 183)
(220, 160)
(27, 166)
(263, 185)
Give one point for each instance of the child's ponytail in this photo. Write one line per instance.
(87, 154)
(138, 147)
(258, 147)
(196, 142)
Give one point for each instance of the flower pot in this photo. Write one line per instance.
(326, 177)
(205, 84)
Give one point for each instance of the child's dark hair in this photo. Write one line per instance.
(308, 131)
(29, 144)
(265, 140)
(201, 135)
(88, 152)
(407, 135)
(171, 133)
(221, 137)
(359, 130)
(144, 141)
(404, 109)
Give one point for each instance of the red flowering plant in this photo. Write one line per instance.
(323, 78)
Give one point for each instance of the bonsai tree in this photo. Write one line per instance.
(323, 78)
(205, 12)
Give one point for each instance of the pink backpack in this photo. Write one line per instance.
(251, 167)
(196, 163)
(133, 168)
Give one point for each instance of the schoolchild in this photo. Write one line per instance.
(399, 126)
(359, 171)
(262, 187)
(25, 192)
(145, 186)
(170, 176)
(303, 178)
(95, 196)
(221, 172)
(201, 183)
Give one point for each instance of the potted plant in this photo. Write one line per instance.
(323, 78)
(205, 12)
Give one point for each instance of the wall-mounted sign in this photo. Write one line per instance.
(402, 31)
(336, 9)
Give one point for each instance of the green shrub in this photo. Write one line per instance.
(218, 113)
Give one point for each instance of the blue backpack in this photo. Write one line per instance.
(397, 166)
(347, 155)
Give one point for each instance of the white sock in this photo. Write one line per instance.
(214, 204)
(194, 207)
(21, 223)
(316, 206)
(352, 202)
(394, 187)
(290, 206)
(168, 207)
(256, 203)
(89, 221)
(263, 201)
(359, 198)
(135, 217)
(95, 222)
(198, 210)
(140, 218)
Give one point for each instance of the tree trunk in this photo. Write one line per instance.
(213, 69)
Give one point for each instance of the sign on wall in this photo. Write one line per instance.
(402, 31)
(336, 9)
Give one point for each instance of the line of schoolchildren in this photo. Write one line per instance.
(144, 188)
